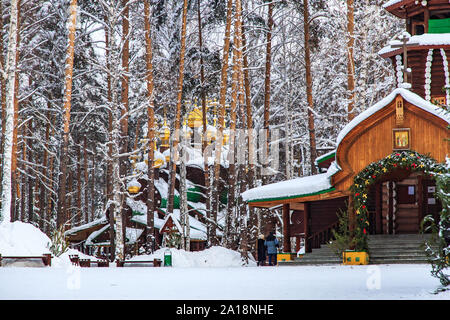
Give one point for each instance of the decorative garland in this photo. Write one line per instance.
(428, 75)
(374, 172)
(447, 75)
(399, 69)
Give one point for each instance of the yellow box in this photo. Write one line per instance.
(284, 256)
(355, 258)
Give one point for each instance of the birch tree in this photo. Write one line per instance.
(173, 165)
(350, 61)
(9, 73)
(150, 126)
(221, 120)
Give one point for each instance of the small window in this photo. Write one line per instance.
(419, 29)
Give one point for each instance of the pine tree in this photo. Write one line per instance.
(62, 210)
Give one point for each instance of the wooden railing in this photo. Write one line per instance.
(320, 237)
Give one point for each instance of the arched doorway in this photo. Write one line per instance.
(393, 195)
(398, 203)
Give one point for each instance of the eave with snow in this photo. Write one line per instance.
(407, 8)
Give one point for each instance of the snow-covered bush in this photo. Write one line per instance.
(59, 242)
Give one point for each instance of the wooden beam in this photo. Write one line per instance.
(378, 209)
(324, 196)
(300, 206)
(286, 231)
(306, 227)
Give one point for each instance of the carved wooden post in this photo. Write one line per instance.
(305, 226)
(286, 231)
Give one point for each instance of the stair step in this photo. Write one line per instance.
(384, 249)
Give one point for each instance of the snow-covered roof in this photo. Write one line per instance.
(299, 187)
(131, 234)
(197, 229)
(98, 221)
(426, 39)
(391, 3)
(325, 156)
(142, 219)
(408, 96)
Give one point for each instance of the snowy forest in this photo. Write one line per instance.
(85, 82)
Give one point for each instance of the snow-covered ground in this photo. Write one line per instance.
(213, 274)
(223, 283)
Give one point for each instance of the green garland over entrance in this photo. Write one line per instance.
(376, 171)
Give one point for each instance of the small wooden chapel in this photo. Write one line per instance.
(408, 125)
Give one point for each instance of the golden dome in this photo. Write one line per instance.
(134, 186)
(133, 189)
(165, 134)
(158, 159)
(195, 118)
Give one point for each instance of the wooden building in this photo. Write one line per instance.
(411, 119)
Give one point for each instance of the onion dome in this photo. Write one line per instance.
(195, 118)
(158, 159)
(133, 186)
(164, 134)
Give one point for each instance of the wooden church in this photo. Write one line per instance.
(407, 126)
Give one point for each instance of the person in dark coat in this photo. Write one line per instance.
(261, 250)
(272, 244)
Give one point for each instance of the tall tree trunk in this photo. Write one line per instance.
(86, 181)
(173, 165)
(2, 87)
(236, 92)
(69, 198)
(184, 216)
(350, 60)
(150, 130)
(78, 210)
(242, 209)
(207, 189)
(266, 147)
(124, 107)
(219, 137)
(109, 168)
(252, 233)
(309, 97)
(9, 114)
(62, 208)
(116, 214)
(93, 193)
(125, 85)
(30, 179)
(42, 191)
(15, 175)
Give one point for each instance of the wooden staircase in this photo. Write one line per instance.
(383, 249)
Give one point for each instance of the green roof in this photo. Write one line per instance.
(439, 25)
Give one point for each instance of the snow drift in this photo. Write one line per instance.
(24, 239)
(211, 257)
